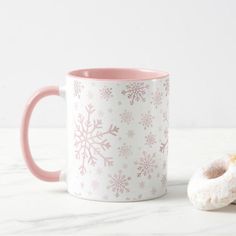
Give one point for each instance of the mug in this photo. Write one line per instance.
(117, 126)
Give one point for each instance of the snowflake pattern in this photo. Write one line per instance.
(146, 165)
(130, 133)
(165, 117)
(156, 98)
(97, 140)
(105, 93)
(126, 117)
(146, 120)
(90, 142)
(164, 146)
(150, 139)
(135, 92)
(119, 183)
(163, 180)
(78, 87)
(166, 86)
(125, 151)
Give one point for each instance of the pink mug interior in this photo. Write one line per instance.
(118, 74)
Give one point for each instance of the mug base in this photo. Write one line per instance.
(118, 200)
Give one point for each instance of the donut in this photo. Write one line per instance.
(214, 185)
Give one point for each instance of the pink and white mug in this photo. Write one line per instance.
(117, 125)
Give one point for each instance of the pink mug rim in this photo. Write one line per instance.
(118, 73)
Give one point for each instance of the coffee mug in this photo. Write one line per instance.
(117, 125)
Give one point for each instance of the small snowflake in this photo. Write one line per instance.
(150, 139)
(163, 180)
(130, 133)
(90, 143)
(146, 165)
(119, 183)
(78, 87)
(106, 93)
(156, 98)
(146, 120)
(135, 92)
(125, 166)
(125, 151)
(126, 117)
(166, 133)
(166, 86)
(165, 116)
(140, 196)
(164, 146)
(164, 164)
(141, 184)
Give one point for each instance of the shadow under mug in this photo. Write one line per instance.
(117, 125)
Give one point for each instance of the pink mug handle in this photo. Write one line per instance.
(50, 176)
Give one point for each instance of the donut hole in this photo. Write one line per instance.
(215, 171)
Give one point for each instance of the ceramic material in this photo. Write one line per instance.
(117, 125)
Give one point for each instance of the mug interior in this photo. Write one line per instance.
(118, 74)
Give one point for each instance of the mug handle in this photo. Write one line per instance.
(50, 176)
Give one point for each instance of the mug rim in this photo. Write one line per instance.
(118, 74)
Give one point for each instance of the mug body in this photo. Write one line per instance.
(117, 123)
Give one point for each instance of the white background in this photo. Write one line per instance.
(195, 41)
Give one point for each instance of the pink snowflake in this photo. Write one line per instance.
(126, 117)
(78, 87)
(156, 98)
(105, 93)
(150, 139)
(130, 133)
(166, 86)
(125, 151)
(146, 165)
(90, 142)
(164, 146)
(165, 116)
(118, 183)
(166, 133)
(142, 184)
(163, 180)
(146, 120)
(135, 92)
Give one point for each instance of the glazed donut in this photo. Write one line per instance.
(214, 186)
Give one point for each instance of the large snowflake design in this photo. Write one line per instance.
(146, 165)
(146, 120)
(78, 87)
(150, 139)
(156, 98)
(135, 92)
(90, 140)
(126, 117)
(105, 93)
(119, 183)
(124, 151)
